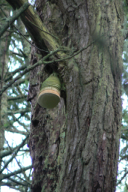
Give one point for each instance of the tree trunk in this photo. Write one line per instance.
(74, 147)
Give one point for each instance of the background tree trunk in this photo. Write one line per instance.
(4, 44)
(74, 147)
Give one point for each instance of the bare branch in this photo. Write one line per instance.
(14, 154)
(125, 174)
(21, 111)
(11, 19)
(15, 131)
(37, 30)
(43, 61)
(6, 176)
(14, 72)
(23, 97)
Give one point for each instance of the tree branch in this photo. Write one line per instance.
(37, 30)
(6, 176)
(29, 68)
(125, 174)
(11, 19)
(21, 81)
(10, 151)
(14, 154)
(19, 183)
(13, 183)
(15, 131)
(43, 61)
(17, 98)
(18, 54)
(14, 72)
(22, 111)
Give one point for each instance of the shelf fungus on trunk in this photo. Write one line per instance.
(49, 95)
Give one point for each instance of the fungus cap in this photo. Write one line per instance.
(49, 95)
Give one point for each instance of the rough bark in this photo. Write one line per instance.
(74, 147)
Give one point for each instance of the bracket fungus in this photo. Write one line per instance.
(49, 95)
